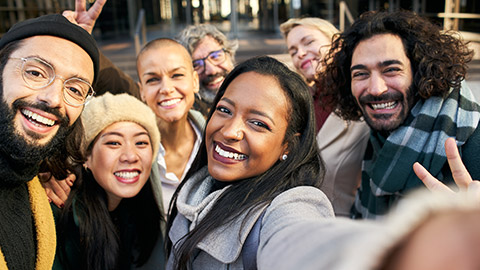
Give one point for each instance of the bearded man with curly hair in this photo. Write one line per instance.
(405, 77)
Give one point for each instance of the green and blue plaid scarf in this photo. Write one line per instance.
(387, 172)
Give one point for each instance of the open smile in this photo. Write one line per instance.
(127, 177)
(37, 119)
(306, 64)
(226, 154)
(170, 102)
(384, 106)
(216, 81)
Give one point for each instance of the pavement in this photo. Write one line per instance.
(121, 50)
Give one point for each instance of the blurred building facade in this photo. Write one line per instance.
(119, 17)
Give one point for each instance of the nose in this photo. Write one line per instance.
(52, 95)
(301, 52)
(210, 69)
(129, 153)
(377, 85)
(167, 87)
(233, 130)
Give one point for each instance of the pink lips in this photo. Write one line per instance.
(306, 63)
(222, 159)
(128, 180)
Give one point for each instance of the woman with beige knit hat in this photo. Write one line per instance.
(111, 219)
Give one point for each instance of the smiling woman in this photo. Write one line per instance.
(258, 155)
(113, 198)
(342, 143)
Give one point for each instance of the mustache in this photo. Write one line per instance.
(63, 120)
(213, 77)
(384, 97)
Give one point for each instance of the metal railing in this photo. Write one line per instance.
(140, 36)
(450, 24)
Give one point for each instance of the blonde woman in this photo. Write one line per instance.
(341, 143)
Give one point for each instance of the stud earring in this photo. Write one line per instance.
(284, 157)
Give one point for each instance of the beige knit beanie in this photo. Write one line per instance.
(100, 112)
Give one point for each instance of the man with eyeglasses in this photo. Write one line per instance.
(213, 58)
(47, 66)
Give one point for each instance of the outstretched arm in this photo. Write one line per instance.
(82, 17)
(459, 172)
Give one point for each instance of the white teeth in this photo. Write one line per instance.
(227, 154)
(127, 175)
(170, 102)
(219, 79)
(388, 105)
(38, 118)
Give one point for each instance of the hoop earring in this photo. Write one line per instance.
(284, 157)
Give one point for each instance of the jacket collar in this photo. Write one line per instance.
(224, 243)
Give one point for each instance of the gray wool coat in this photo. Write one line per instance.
(222, 248)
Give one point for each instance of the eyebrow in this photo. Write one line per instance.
(115, 133)
(76, 75)
(251, 110)
(301, 41)
(385, 63)
(202, 58)
(169, 71)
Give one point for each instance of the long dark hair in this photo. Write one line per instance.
(100, 238)
(302, 167)
(438, 59)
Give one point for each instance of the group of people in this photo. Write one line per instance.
(205, 164)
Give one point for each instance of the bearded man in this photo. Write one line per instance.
(213, 58)
(47, 67)
(405, 77)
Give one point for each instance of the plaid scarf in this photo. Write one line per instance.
(387, 172)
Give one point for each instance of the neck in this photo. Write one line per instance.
(175, 133)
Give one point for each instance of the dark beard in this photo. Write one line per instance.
(211, 78)
(20, 159)
(407, 103)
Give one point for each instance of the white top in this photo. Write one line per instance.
(169, 180)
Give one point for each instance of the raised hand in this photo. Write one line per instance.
(82, 17)
(460, 174)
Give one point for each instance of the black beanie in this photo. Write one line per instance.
(54, 25)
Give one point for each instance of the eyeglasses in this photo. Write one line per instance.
(215, 57)
(38, 74)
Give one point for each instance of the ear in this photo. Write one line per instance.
(140, 89)
(196, 82)
(88, 163)
(286, 150)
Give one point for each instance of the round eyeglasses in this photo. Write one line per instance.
(215, 57)
(37, 74)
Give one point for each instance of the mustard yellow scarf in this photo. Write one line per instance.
(44, 226)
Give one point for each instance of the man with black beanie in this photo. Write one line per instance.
(47, 67)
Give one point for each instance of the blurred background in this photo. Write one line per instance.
(125, 25)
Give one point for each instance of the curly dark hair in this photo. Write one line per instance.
(438, 59)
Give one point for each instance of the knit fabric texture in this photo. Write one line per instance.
(387, 166)
(108, 109)
(17, 238)
(43, 225)
(54, 25)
